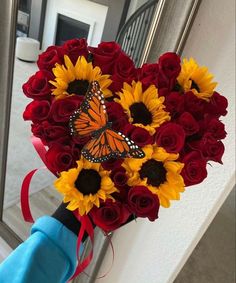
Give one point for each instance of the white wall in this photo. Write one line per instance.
(81, 10)
(155, 253)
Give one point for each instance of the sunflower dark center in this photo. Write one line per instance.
(88, 181)
(154, 171)
(140, 114)
(194, 85)
(79, 87)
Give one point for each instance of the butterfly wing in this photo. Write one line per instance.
(92, 115)
(122, 146)
(111, 144)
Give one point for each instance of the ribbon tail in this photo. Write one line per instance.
(24, 197)
(87, 226)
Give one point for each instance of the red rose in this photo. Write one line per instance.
(105, 55)
(112, 163)
(143, 203)
(80, 140)
(38, 131)
(62, 109)
(37, 111)
(48, 59)
(48, 132)
(164, 92)
(169, 65)
(174, 102)
(164, 82)
(122, 195)
(194, 105)
(75, 48)
(215, 127)
(217, 105)
(59, 158)
(116, 115)
(38, 86)
(194, 171)
(110, 215)
(138, 135)
(124, 71)
(119, 177)
(147, 74)
(171, 136)
(189, 124)
(211, 148)
(76, 151)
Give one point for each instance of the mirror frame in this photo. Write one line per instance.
(170, 27)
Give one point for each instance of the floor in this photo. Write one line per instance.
(213, 260)
(22, 156)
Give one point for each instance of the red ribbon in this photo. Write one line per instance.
(24, 197)
(87, 226)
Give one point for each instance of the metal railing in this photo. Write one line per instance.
(133, 35)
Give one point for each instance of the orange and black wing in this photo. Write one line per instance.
(92, 115)
(111, 144)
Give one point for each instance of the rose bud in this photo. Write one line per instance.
(211, 148)
(174, 103)
(213, 126)
(169, 65)
(75, 48)
(217, 105)
(37, 111)
(112, 163)
(147, 74)
(49, 132)
(143, 203)
(38, 86)
(124, 71)
(194, 171)
(189, 124)
(119, 177)
(62, 109)
(59, 158)
(116, 115)
(48, 59)
(194, 105)
(105, 56)
(171, 136)
(110, 215)
(138, 135)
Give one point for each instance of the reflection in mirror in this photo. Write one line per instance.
(40, 24)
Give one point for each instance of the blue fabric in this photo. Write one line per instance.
(47, 256)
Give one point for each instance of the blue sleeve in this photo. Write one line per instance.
(47, 256)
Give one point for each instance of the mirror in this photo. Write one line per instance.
(61, 20)
(135, 24)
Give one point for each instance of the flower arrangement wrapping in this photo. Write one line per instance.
(123, 141)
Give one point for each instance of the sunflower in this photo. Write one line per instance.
(158, 171)
(144, 109)
(74, 79)
(84, 186)
(196, 79)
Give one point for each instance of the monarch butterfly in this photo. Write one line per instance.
(91, 119)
